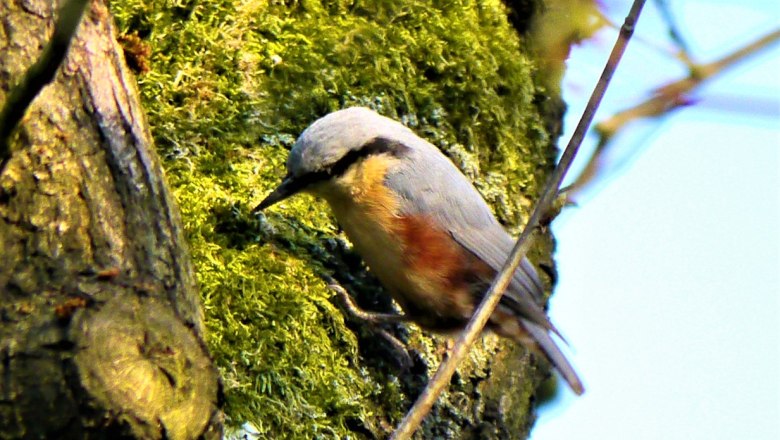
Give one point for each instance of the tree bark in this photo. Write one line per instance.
(101, 332)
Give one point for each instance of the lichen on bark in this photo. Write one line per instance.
(231, 84)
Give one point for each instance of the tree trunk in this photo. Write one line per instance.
(101, 332)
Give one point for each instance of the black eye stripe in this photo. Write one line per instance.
(378, 145)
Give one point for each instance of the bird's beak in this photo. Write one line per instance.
(289, 186)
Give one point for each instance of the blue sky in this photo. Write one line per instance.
(669, 288)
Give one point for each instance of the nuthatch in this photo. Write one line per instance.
(419, 224)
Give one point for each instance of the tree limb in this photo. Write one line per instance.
(39, 74)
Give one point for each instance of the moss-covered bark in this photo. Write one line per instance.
(231, 84)
(101, 334)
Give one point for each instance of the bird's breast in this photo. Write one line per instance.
(426, 271)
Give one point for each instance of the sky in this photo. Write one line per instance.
(669, 289)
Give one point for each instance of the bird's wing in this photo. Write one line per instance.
(431, 185)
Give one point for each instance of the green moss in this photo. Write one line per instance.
(232, 83)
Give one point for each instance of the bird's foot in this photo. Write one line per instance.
(374, 319)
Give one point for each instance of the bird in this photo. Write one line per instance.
(420, 226)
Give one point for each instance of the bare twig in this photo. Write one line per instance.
(674, 95)
(442, 377)
(674, 30)
(39, 74)
(708, 70)
(665, 99)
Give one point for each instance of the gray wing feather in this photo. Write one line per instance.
(431, 185)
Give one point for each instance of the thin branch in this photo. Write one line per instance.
(39, 74)
(674, 30)
(708, 70)
(665, 99)
(423, 405)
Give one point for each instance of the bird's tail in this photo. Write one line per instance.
(550, 349)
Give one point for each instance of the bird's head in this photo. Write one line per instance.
(333, 148)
